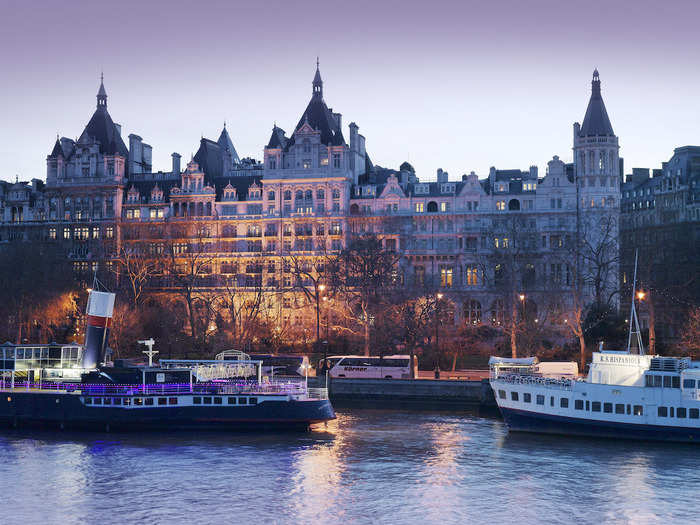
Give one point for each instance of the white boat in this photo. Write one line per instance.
(624, 395)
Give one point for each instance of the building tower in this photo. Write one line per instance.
(598, 180)
(596, 155)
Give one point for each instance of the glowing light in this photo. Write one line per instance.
(641, 295)
(321, 287)
(522, 296)
(439, 296)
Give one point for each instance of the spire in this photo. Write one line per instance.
(317, 83)
(596, 121)
(102, 93)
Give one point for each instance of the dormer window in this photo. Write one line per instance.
(502, 186)
(421, 189)
(447, 188)
(307, 146)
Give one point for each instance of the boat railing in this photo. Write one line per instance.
(548, 382)
(284, 387)
(317, 393)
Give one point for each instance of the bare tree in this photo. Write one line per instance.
(690, 337)
(364, 275)
(137, 269)
(188, 266)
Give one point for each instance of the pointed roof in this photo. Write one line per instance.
(57, 149)
(277, 139)
(317, 83)
(102, 130)
(227, 145)
(596, 121)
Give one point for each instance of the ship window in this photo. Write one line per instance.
(107, 401)
(217, 400)
(502, 394)
(676, 381)
(607, 407)
(138, 401)
(88, 401)
(629, 409)
(197, 400)
(564, 402)
(127, 401)
(551, 401)
(689, 383)
(681, 412)
(207, 401)
(619, 408)
(97, 401)
(162, 401)
(172, 401)
(117, 401)
(663, 412)
(149, 401)
(527, 398)
(638, 410)
(231, 400)
(667, 381)
(588, 405)
(596, 406)
(648, 380)
(694, 413)
(514, 396)
(671, 412)
(253, 401)
(657, 381)
(540, 399)
(578, 404)
(242, 400)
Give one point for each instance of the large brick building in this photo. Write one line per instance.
(485, 242)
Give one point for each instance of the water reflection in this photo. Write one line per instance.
(368, 466)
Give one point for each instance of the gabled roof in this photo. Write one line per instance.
(102, 130)
(241, 183)
(596, 121)
(227, 145)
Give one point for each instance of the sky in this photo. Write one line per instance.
(461, 85)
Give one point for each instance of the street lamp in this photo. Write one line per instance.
(641, 295)
(438, 296)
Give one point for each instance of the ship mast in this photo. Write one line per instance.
(633, 320)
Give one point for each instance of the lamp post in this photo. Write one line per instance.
(438, 298)
(319, 290)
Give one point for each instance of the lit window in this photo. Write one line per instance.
(501, 205)
(419, 207)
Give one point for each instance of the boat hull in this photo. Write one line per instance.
(66, 411)
(527, 421)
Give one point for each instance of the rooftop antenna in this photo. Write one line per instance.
(634, 321)
(150, 352)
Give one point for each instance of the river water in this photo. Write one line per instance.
(368, 466)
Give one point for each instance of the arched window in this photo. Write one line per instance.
(498, 312)
(529, 275)
(432, 207)
(208, 208)
(354, 209)
(287, 195)
(320, 194)
(308, 195)
(472, 312)
(299, 195)
(498, 274)
(514, 204)
(176, 209)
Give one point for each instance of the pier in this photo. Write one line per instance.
(447, 394)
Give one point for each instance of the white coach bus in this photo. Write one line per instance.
(372, 367)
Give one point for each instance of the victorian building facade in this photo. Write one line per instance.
(482, 242)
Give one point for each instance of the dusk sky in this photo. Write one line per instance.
(455, 85)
